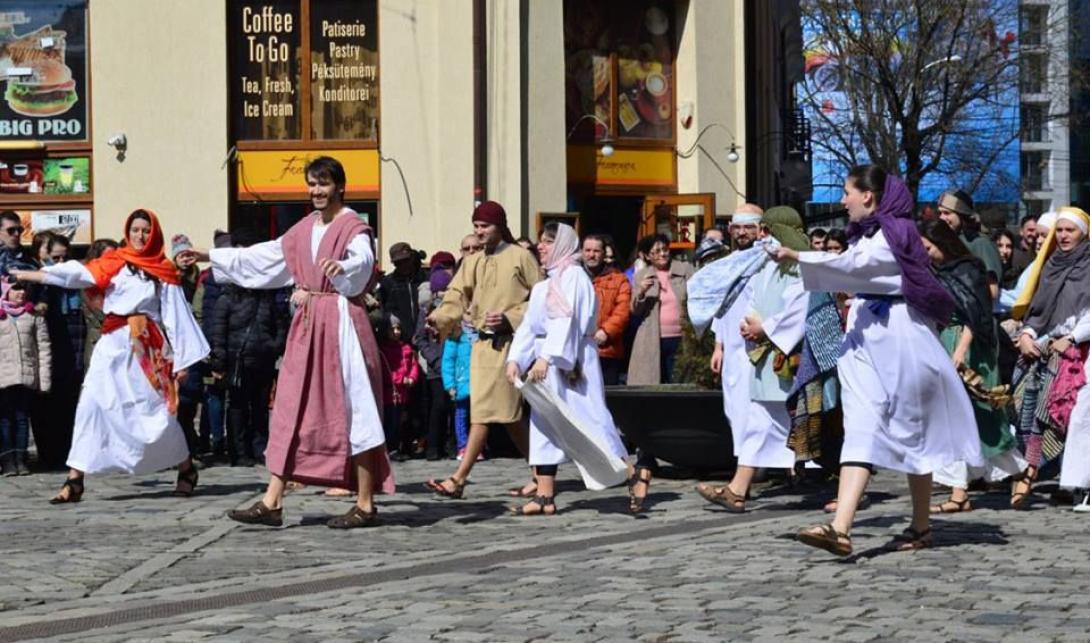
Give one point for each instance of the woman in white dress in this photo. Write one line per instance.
(555, 344)
(125, 420)
(905, 407)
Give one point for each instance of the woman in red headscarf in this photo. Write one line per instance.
(125, 420)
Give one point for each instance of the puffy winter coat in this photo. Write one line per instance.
(398, 365)
(245, 322)
(25, 356)
(614, 299)
(456, 352)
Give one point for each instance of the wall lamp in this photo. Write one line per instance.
(732, 153)
(607, 140)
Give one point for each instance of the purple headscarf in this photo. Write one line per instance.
(921, 288)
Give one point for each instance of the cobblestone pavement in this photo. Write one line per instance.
(131, 562)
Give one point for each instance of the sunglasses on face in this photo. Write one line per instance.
(14, 230)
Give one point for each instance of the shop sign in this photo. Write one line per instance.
(266, 40)
(43, 65)
(280, 173)
(654, 168)
(344, 70)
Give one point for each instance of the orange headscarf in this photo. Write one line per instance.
(150, 258)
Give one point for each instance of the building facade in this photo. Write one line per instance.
(623, 116)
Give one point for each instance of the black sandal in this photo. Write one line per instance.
(356, 518)
(75, 491)
(541, 501)
(635, 503)
(188, 477)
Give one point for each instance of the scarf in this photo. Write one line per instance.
(716, 286)
(150, 258)
(964, 279)
(1059, 283)
(564, 254)
(920, 287)
(9, 308)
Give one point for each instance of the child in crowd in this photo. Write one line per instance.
(401, 371)
(26, 358)
(456, 354)
(430, 348)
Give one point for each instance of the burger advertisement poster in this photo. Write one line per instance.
(43, 70)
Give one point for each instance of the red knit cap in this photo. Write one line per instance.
(493, 213)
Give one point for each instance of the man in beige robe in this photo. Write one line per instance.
(493, 286)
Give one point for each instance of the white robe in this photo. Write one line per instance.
(122, 423)
(737, 369)
(780, 303)
(262, 266)
(1075, 469)
(905, 408)
(566, 341)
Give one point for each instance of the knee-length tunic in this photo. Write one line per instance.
(123, 423)
(568, 343)
(905, 408)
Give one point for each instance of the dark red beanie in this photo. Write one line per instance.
(493, 213)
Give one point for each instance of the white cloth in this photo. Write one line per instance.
(262, 266)
(737, 369)
(779, 302)
(122, 423)
(998, 467)
(905, 408)
(567, 342)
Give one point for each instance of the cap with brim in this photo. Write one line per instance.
(401, 251)
(950, 201)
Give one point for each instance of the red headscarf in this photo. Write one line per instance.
(493, 213)
(150, 258)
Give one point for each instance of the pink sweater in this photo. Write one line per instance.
(669, 312)
(399, 364)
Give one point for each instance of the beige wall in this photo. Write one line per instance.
(159, 75)
(546, 135)
(711, 76)
(426, 56)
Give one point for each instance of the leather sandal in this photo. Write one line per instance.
(75, 492)
(723, 497)
(635, 503)
(1021, 490)
(952, 506)
(826, 537)
(912, 540)
(356, 518)
(520, 492)
(454, 494)
(544, 502)
(187, 482)
(258, 514)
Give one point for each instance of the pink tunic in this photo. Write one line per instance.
(310, 423)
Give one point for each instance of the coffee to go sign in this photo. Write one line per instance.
(43, 67)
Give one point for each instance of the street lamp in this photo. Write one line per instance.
(732, 154)
(606, 140)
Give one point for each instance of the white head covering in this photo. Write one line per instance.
(1046, 221)
(564, 253)
(743, 218)
(1066, 215)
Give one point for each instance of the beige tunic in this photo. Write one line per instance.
(500, 281)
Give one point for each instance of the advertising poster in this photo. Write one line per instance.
(43, 67)
(265, 87)
(74, 224)
(344, 69)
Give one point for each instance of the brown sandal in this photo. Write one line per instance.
(952, 506)
(635, 503)
(723, 497)
(438, 488)
(544, 502)
(356, 518)
(1020, 494)
(826, 537)
(912, 540)
(520, 492)
(258, 514)
(187, 482)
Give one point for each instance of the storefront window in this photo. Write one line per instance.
(284, 50)
(619, 58)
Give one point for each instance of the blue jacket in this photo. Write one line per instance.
(456, 354)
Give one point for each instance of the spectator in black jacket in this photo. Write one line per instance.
(399, 295)
(247, 336)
